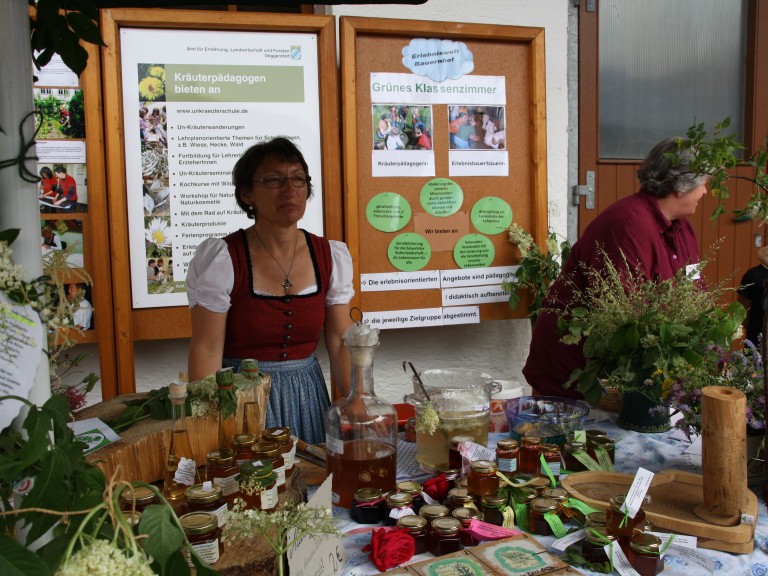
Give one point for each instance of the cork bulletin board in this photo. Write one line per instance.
(444, 132)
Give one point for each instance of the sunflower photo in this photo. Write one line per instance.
(151, 83)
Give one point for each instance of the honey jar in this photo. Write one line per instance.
(137, 498)
(258, 485)
(529, 455)
(242, 445)
(282, 435)
(206, 497)
(644, 554)
(271, 452)
(204, 535)
(507, 453)
(222, 469)
(538, 508)
(615, 520)
(482, 479)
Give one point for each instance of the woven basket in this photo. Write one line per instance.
(611, 399)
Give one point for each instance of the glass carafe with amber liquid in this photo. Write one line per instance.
(180, 466)
(225, 381)
(361, 429)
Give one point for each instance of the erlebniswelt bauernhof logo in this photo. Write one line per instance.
(295, 52)
(94, 439)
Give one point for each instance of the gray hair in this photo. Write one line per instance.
(666, 169)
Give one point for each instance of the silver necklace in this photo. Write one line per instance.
(287, 282)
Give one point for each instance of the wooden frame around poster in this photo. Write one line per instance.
(174, 322)
(375, 45)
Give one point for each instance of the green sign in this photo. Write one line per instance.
(409, 252)
(474, 251)
(388, 212)
(441, 197)
(222, 83)
(491, 215)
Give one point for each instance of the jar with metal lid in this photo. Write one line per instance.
(551, 453)
(644, 553)
(526, 495)
(569, 460)
(492, 508)
(458, 498)
(271, 452)
(614, 518)
(398, 505)
(451, 474)
(206, 497)
(465, 516)
(482, 479)
(282, 435)
(417, 527)
(204, 535)
(540, 483)
(593, 433)
(507, 454)
(432, 511)
(242, 445)
(454, 454)
(461, 482)
(559, 495)
(258, 485)
(538, 508)
(592, 547)
(137, 498)
(367, 506)
(595, 519)
(444, 538)
(414, 489)
(529, 455)
(222, 469)
(603, 450)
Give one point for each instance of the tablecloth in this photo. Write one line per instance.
(653, 452)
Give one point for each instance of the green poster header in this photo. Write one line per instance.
(221, 83)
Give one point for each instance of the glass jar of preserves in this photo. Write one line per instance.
(242, 445)
(458, 498)
(367, 506)
(204, 535)
(482, 479)
(137, 498)
(492, 508)
(206, 497)
(465, 516)
(451, 474)
(271, 452)
(540, 483)
(529, 455)
(417, 527)
(619, 523)
(507, 453)
(592, 547)
(593, 433)
(569, 451)
(258, 485)
(414, 489)
(595, 519)
(433, 511)
(282, 435)
(559, 495)
(644, 554)
(526, 495)
(603, 450)
(398, 505)
(537, 510)
(454, 452)
(222, 469)
(443, 538)
(551, 453)
(461, 482)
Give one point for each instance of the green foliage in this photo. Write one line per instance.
(76, 116)
(48, 106)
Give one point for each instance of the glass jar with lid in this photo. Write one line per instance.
(443, 538)
(559, 495)
(569, 451)
(282, 435)
(417, 527)
(271, 452)
(398, 505)
(258, 485)
(492, 507)
(204, 535)
(540, 483)
(454, 450)
(433, 511)
(603, 450)
(451, 474)
(241, 444)
(137, 498)
(367, 506)
(507, 454)
(644, 554)
(595, 519)
(414, 489)
(206, 497)
(465, 516)
(482, 479)
(458, 498)
(614, 517)
(526, 495)
(551, 453)
(593, 545)
(538, 509)
(221, 468)
(529, 455)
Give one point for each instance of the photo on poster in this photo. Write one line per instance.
(402, 127)
(476, 127)
(60, 235)
(60, 113)
(79, 295)
(63, 187)
(159, 256)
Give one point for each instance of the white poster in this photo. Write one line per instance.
(193, 102)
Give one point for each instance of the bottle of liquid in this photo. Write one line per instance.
(361, 429)
(225, 380)
(180, 469)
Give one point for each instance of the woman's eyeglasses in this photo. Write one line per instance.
(299, 181)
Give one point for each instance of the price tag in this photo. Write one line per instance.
(620, 562)
(637, 492)
(485, 531)
(692, 557)
(562, 543)
(185, 472)
(682, 540)
(474, 452)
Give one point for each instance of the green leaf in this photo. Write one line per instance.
(72, 54)
(16, 560)
(87, 7)
(9, 235)
(85, 28)
(176, 565)
(39, 428)
(158, 410)
(164, 537)
(53, 552)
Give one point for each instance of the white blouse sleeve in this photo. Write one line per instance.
(211, 276)
(340, 290)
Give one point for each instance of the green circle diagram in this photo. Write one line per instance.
(441, 197)
(491, 215)
(388, 212)
(474, 251)
(409, 252)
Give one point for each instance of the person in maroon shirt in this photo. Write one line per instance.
(649, 229)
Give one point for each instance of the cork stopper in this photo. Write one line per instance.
(177, 390)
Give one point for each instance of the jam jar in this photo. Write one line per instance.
(204, 535)
(444, 537)
(644, 554)
(569, 461)
(206, 497)
(458, 498)
(398, 505)
(137, 498)
(592, 547)
(454, 455)
(367, 506)
(603, 449)
(414, 489)
(242, 445)
(595, 519)
(530, 449)
(559, 495)
(540, 483)
(492, 508)
(551, 453)
(433, 511)
(271, 452)
(526, 495)
(282, 435)
(222, 469)
(465, 516)
(507, 453)
(614, 518)
(482, 479)
(258, 485)
(417, 527)
(451, 474)
(536, 511)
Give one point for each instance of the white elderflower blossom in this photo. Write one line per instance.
(101, 558)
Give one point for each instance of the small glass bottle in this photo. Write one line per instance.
(206, 497)
(417, 527)
(465, 516)
(644, 554)
(204, 535)
(492, 508)
(225, 381)
(529, 455)
(454, 454)
(398, 505)
(536, 511)
(414, 489)
(137, 498)
(282, 435)
(614, 518)
(258, 486)
(444, 538)
(551, 453)
(592, 547)
(507, 454)
(242, 445)
(433, 511)
(569, 461)
(270, 452)
(367, 506)
(482, 479)
(458, 498)
(181, 469)
(222, 470)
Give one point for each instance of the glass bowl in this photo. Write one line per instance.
(549, 417)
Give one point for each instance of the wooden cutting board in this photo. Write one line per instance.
(674, 497)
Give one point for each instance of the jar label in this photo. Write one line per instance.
(604, 459)
(563, 543)
(290, 456)
(228, 485)
(587, 460)
(185, 472)
(221, 514)
(280, 475)
(637, 491)
(398, 513)
(269, 498)
(508, 464)
(334, 445)
(208, 551)
(620, 561)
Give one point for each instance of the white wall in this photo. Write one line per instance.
(497, 347)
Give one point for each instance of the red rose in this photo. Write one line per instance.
(390, 547)
(437, 487)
